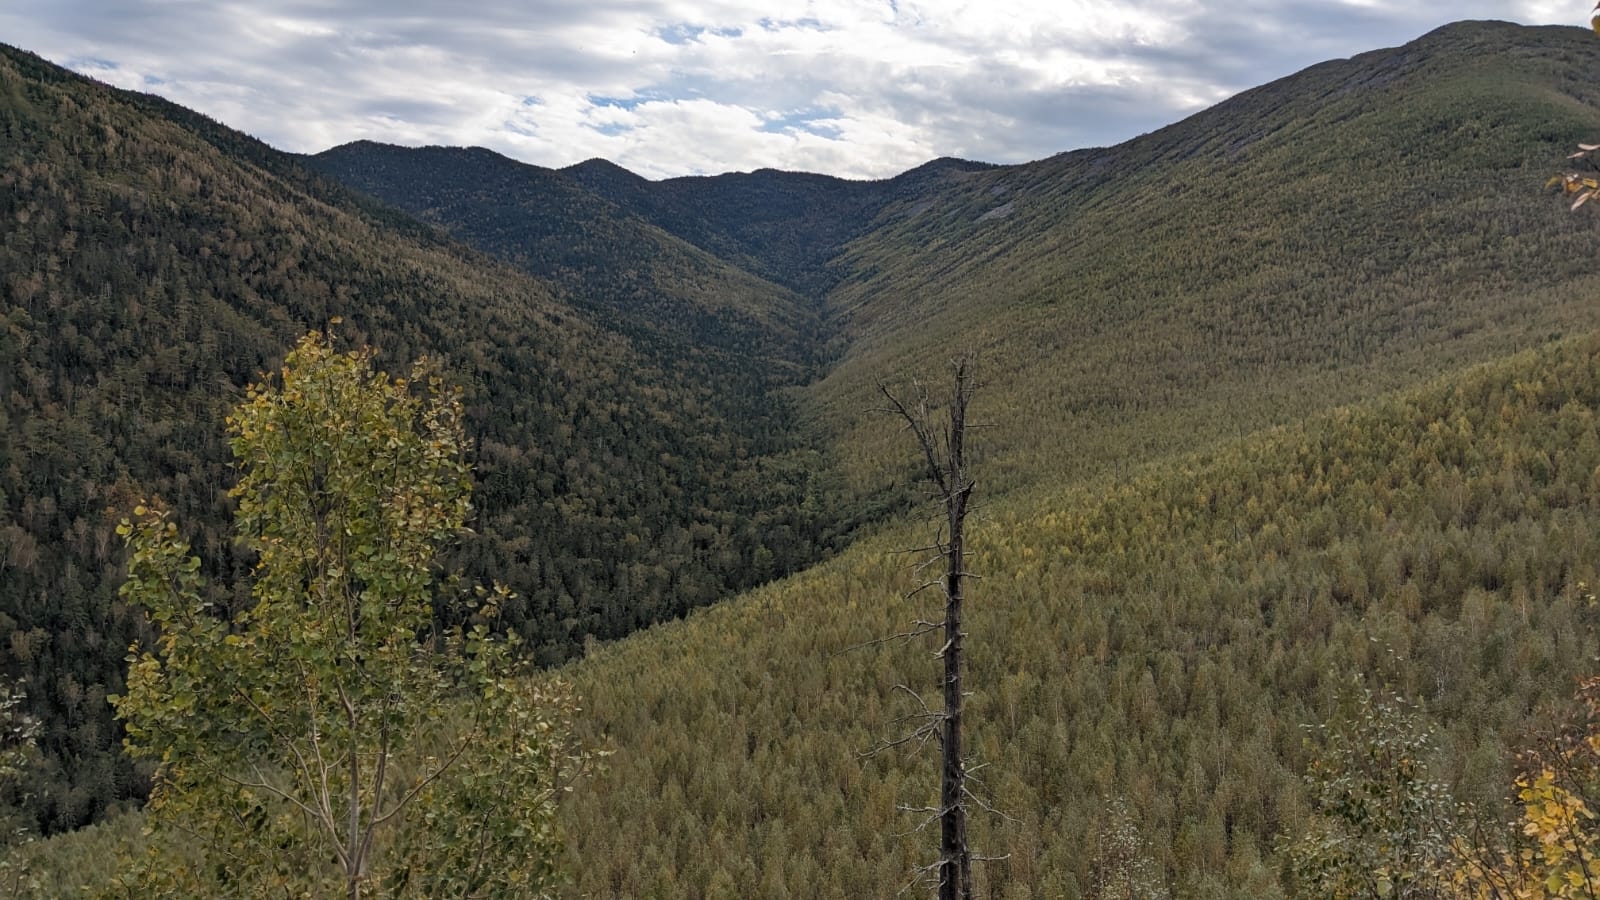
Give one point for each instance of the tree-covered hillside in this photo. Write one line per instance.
(153, 263)
(597, 254)
(1157, 639)
(1300, 389)
(1146, 648)
(1353, 228)
(787, 227)
(1347, 230)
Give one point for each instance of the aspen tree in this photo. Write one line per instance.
(325, 740)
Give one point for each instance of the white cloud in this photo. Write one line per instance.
(666, 87)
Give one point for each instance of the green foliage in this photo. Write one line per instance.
(18, 734)
(1158, 636)
(1553, 848)
(1382, 826)
(152, 262)
(76, 864)
(1353, 229)
(322, 739)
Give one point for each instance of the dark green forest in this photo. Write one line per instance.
(598, 255)
(155, 264)
(1296, 393)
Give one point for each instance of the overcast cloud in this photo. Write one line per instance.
(858, 88)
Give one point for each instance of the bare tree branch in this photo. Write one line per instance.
(943, 449)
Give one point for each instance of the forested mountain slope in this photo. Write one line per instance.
(1353, 228)
(719, 244)
(154, 262)
(597, 253)
(1159, 638)
(1171, 586)
(1167, 599)
(786, 226)
(1349, 229)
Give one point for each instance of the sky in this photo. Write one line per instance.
(854, 88)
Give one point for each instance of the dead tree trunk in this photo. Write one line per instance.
(945, 455)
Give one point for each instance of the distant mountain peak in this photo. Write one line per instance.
(597, 167)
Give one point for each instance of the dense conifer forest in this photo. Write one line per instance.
(1156, 640)
(151, 273)
(1296, 393)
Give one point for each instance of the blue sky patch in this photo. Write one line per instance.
(810, 121)
(680, 33)
(686, 33)
(91, 62)
(617, 102)
(639, 97)
(809, 23)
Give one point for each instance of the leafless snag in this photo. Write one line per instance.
(944, 450)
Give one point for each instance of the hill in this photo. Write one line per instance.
(785, 226)
(594, 252)
(156, 262)
(721, 243)
(1351, 229)
(1159, 638)
(1345, 231)
(1198, 521)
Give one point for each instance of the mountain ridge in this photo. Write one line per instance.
(1352, 217)
(779, 226)
(151, 275)
(593, 251)
(1192, 518)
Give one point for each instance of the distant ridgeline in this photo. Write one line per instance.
(669, 384)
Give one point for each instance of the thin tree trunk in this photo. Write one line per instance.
(955, 882)
(954, 872)
(947, 469)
